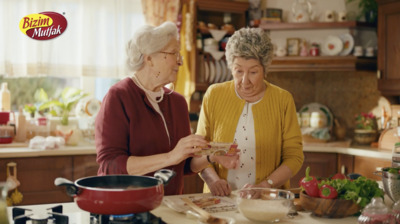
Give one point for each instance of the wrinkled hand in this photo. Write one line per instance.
(186, 147)
(229, 161)
(220, 188)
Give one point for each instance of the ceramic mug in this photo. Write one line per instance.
(369, 52)
(329, 16)
(358, 51)
(342, 16)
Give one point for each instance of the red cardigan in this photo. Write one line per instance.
(128, 125)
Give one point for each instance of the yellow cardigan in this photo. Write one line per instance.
(277, 133)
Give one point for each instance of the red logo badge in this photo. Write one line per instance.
(43, 26)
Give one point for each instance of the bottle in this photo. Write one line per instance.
(21, 126)
(5, 98)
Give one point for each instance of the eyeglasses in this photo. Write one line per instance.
(178, 55)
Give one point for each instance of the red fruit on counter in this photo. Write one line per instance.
(310, 184)
(327, 191)
(339, 176)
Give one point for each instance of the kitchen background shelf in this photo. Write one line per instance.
(322, 63)
(316, 25)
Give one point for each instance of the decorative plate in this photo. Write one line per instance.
(218, 72)
(212, 72)
(348, 43)
(316, 107)
(206, 71)
(223, 70)
(333, 45)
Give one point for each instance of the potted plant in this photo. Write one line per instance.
(365, 131)
(369, 9)
(62, 107)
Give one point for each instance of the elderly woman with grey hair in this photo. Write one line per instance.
(259, 116)
(143, 126)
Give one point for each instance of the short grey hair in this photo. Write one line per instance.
(148, 40)
(250, 43)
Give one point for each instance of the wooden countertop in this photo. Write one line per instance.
(83, 148)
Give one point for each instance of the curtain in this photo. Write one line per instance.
(158, 11)
(185, 84)
(93, 43)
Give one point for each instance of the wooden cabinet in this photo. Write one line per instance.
(37, 174)
(321, 165)
(366, 166)
(320, 63)
(389, 47)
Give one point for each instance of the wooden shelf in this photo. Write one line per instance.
(322, 63)
(222, 6)
(316, 25)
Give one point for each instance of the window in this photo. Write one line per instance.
(90, 54)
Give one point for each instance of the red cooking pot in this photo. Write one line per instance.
(118, 194)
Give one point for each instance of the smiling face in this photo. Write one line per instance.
(248, 75)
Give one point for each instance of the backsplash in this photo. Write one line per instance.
(344, 93)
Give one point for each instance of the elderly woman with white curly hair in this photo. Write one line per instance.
(143, 126)
(259, 116)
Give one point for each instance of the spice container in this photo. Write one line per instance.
(317, 120)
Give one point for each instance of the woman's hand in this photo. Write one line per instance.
(186, 147)
(220, 187)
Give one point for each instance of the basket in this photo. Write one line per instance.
(391, 183)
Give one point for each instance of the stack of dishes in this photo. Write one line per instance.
(338, 45)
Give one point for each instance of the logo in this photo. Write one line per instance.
(43, 26)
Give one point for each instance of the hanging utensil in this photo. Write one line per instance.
(16, 196)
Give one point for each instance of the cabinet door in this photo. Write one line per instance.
(389, 47)
(36, 177)
(366, 166)
(85, 166)
(321, 165)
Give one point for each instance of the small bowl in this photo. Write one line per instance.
(330, 208)
(264, 204)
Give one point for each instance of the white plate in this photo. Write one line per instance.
(333, 45)
(206, 71)
(317, 107)
(218, 71)
(212, 71)
(223, 70)
(348, 43)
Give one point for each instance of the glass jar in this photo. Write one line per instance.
(376, 212)
(317, 120)
(396, 212)
(305, 119)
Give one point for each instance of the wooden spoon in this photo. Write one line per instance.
(206, 216)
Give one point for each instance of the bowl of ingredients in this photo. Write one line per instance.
(264, 204)
(391, 181)
(330, 208)
(337, 196)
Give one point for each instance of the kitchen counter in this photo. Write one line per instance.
(78, 216)
(171, 216)
(18, 150)
(14, 150)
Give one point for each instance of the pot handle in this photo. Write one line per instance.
(164, 175)
(378, 173)
(72, 189)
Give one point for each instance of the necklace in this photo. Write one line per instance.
(151, 95)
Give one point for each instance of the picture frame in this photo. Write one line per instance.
(293, 46)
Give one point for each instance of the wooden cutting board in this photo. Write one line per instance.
(388, 138)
